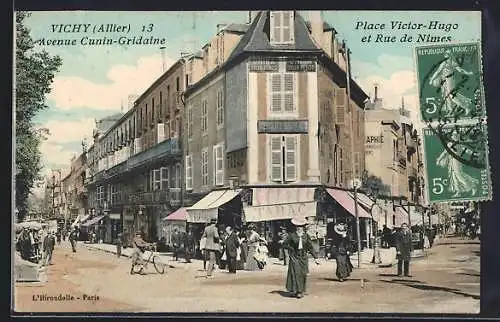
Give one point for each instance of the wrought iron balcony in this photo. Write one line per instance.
(167, 148)
(153, 197)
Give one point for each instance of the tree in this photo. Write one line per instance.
(35, 72)
(372, 184)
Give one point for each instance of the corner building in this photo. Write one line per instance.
(270, 124)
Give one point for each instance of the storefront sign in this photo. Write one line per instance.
(263, 66)
(114, 216)
(301, 66)
(283, 126)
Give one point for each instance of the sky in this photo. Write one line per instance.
(95, 81)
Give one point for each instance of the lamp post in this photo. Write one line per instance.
(346, 53)
(376, 253)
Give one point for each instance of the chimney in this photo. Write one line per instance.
(316, 27)
(376, 93)
(163, 62)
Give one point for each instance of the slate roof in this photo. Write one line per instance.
(256, 41)
(237, 28)
(326, 26)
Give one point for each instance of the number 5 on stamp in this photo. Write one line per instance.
(455, 172)
(449, 82)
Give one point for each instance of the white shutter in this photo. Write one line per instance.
(219, 164)
(286, 26)
(276, 88)
(276, 159)
(290, 158)
(288, 92)
(273, 35)
(340, 101)
(164, 174)
(160, 133)
(189, 173)
(291, 38)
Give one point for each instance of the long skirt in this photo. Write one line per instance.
(251, 263)
(344, 266)
(297, 274)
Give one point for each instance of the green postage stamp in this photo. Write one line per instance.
(449, 82)
(457, 166)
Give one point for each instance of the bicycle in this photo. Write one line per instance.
(153, 258)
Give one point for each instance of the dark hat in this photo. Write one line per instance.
(213, 220)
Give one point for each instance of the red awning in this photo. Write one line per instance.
(179, 214)
(347, 202)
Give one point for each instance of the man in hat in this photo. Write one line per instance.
(211, 235)
(341, 252)
(404, 246)
(119, 244)
(73, 237)
(177, 243)
(140, 246)
(48, 247)
(283, 252)
(232, 244)
(299, 245)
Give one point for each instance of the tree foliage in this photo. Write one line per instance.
(35, 71)
(373, 185)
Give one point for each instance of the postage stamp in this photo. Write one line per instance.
(457, 163)
(247, 161)
(449, 80)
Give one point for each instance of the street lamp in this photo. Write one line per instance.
(346, 53)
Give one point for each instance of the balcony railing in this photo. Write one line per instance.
(169, 147)
(160, 196)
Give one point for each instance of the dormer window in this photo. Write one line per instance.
(281, 27)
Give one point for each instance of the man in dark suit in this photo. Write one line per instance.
(176, 243)
(212, 244)
(232, 244)
(403, 249)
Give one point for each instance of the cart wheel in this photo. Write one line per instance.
(159, 266)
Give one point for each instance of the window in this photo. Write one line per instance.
(281, 27)
(178, 175)
(177, 84)
(153, 110)
(204, 167)
(220, 109)
(100, 195)
(283, 158)
(357, 165)
(164, 174)
(189, 72)
(189, 172)
(115, 193)
(219, 164)
(340, 102)
(204, 116)
(282, 92)
(161, 105)
(155, 180)
(190, 122)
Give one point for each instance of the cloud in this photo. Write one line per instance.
(69, 131)
(70, 92)
(55, 156)
(395, 80)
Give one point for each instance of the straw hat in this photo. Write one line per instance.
(340, 229)
(299, 221)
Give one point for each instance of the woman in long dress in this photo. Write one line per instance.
(341, 251)
(298, 244)
(445, 78)
(253, 242)
(458, 181)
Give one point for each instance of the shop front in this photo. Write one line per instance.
(175, 220)
(223, 205)
(270, 209)
(337, 205)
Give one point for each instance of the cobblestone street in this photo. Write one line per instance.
(446, 281)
